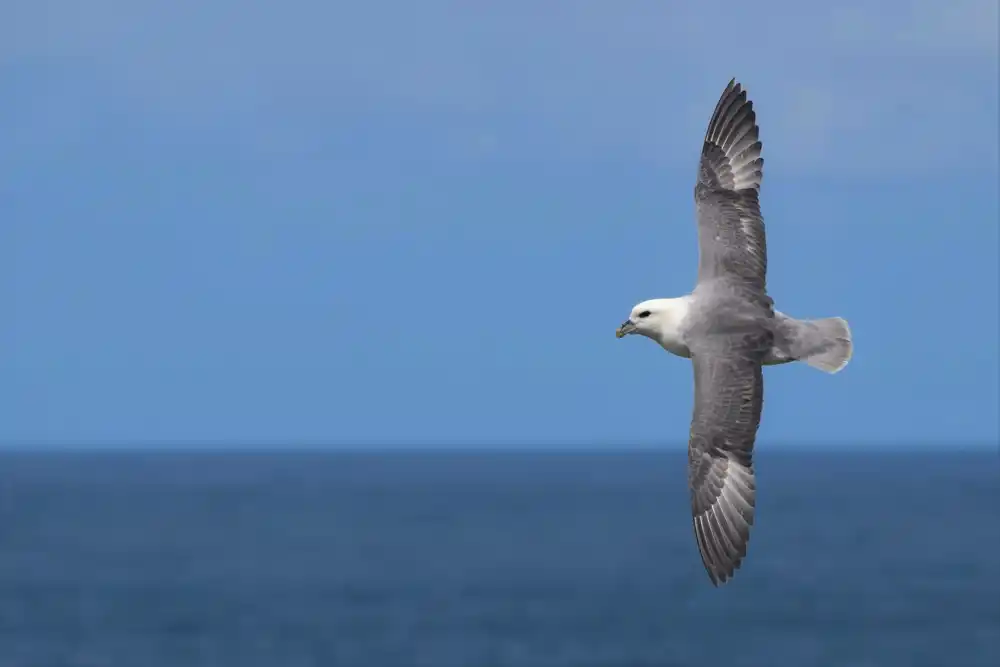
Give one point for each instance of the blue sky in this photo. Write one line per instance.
(420, 223)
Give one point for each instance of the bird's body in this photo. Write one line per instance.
(793, 340)
(729, 329)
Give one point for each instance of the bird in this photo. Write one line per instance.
(729, 329)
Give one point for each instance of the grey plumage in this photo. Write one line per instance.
(729, 393)
(729, 329)
(730, 228)
(728, 335)
(825, 344)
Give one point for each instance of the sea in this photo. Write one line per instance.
(491, 558)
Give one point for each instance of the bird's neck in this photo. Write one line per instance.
(669, 333)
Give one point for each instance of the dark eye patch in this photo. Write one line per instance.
(643, 314)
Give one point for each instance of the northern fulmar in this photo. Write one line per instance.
(729, 329)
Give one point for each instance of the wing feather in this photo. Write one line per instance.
(729, 396)
(731, 235)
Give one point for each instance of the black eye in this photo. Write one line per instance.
(643, 314)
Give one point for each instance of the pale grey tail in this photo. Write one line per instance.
(824, 344)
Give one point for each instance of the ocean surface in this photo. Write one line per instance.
(491, 559)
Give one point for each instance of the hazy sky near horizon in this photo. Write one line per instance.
(387, 222)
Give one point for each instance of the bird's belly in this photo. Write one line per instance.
(776, 356)
(675, 346)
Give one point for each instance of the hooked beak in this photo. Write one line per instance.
(625, 329)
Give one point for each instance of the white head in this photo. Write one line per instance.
(659, 319)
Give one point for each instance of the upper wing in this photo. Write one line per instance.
(729, 393)
(730, 228)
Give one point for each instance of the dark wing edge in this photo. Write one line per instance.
(729, 395)
(731, 152)
(731, 234)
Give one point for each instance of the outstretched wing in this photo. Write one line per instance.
(729, 394)
(731, 238)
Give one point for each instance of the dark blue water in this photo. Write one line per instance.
(534, 560)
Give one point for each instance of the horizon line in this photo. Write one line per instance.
(472, 447)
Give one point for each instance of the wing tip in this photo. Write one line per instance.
(722, 530)
(721, 568)
(732, 139)
(733, 100)
(720, 576)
